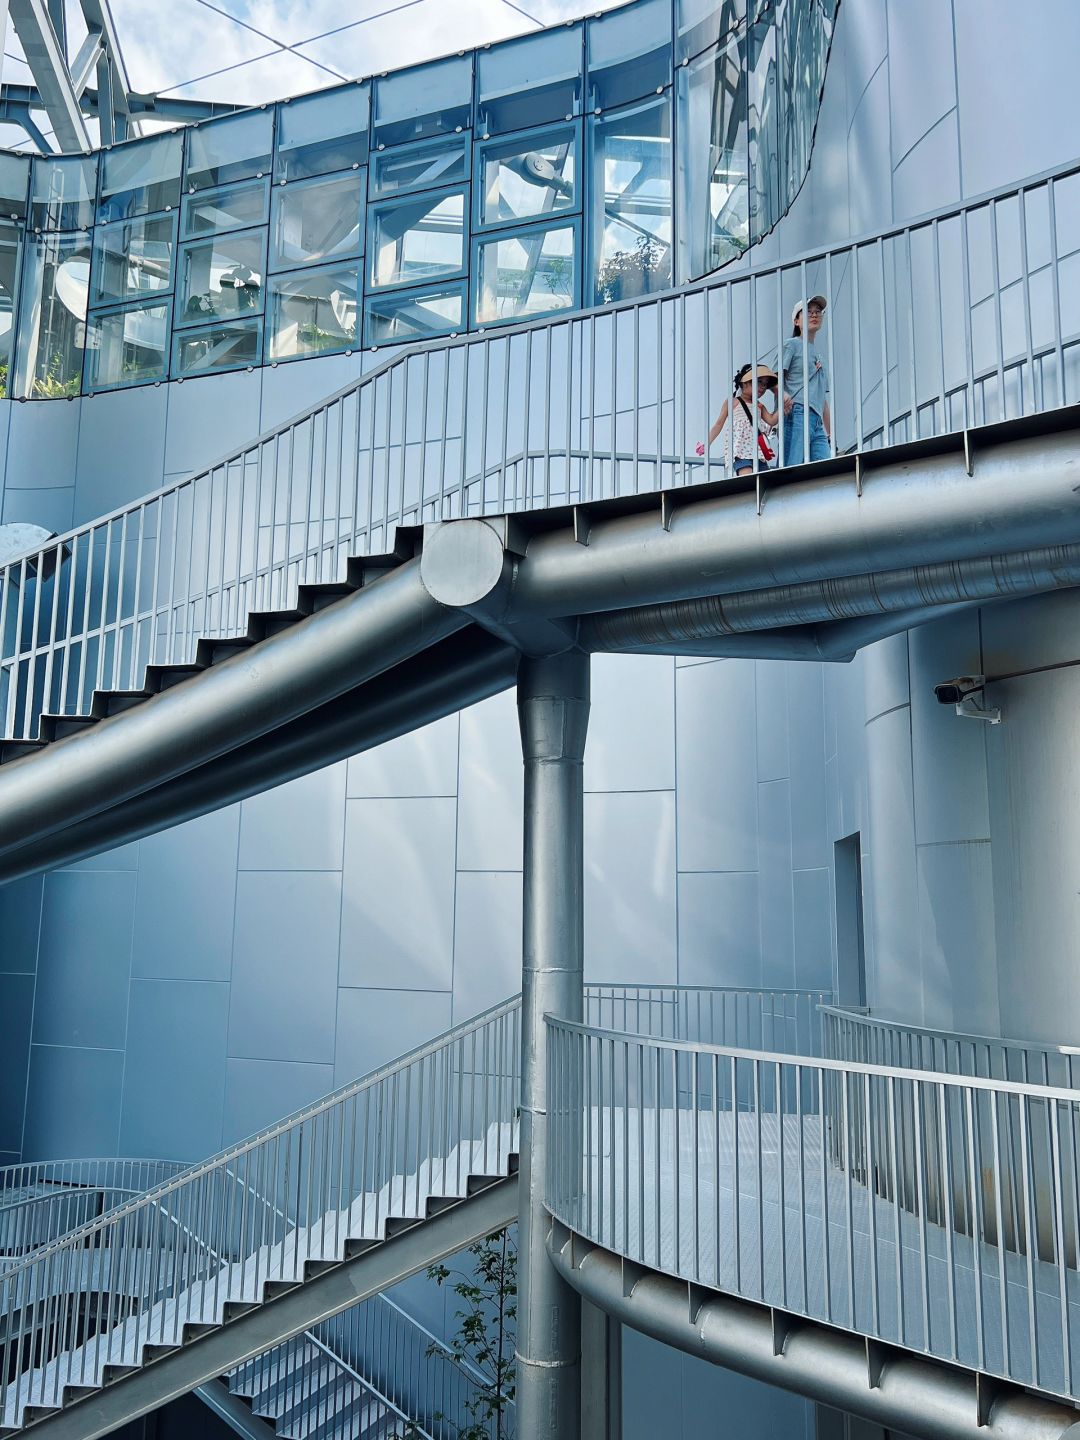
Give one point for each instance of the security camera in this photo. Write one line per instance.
(963, 692)
(951, 692)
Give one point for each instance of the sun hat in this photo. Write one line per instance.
(800, 305)
(764, 374)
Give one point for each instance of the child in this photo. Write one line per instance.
(744, 433)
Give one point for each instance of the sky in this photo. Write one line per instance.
(249, 51)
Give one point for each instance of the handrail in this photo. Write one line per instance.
(864, 1018)
(586, 404)
(936, 1212)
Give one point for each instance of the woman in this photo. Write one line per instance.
(801, 393)
(744, 433)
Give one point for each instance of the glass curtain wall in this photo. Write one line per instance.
(584, 165)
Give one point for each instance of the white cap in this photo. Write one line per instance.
(801, 304)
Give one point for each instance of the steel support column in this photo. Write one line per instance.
(601, 1374)
(553, 705)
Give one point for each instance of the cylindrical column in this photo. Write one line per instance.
(553, 705)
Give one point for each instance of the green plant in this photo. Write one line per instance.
(634, 272)
(486, 1331)
(53, 385)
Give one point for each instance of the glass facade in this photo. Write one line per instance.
(586, 164)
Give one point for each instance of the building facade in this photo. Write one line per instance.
(748, 822)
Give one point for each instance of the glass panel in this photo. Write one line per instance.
(220, 278)
(235, 148)
(530, 81)
(63, 193)
(10, 250)
(630, 160)
(420, 167)
(701, 23)
(52, 309)
(528, 175)
(804, 35)
(424, 100)
(14, 185)
(712, 161)
(763, 134)
(414, 316)
(127, 347)
(317, 220)
(421, 238)
(314, 312)
(629, 53)
(531, 273)
(133, 259)
(318, 134)
(232, 208)
(141, 177)
(221, 347)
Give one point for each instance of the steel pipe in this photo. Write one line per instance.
(230, 704)
(553, 706)
(897, 1390)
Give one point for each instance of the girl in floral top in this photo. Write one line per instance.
(744, 432)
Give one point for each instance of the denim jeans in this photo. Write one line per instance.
(793, 437)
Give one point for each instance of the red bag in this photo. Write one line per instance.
(767, 452)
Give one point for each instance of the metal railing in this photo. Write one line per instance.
(961, 317)
(263, 1210)
(750, 1019)
(39, 1202)
(937, 1212)
(855, 1035)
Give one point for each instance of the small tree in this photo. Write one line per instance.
(486, 1331)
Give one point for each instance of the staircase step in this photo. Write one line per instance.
(16, 749)
(213, 652)
(318, 597)
(114, 702)
(164, 677)
(58, 727)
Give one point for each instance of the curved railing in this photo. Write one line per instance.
(958, 318)
(859, 1036)
(932, 1211)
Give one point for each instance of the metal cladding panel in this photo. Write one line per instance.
(490, 786)
(894, 984)
(631, 743)
(121, 449)
(720, 929)
(397, 916)
(260, 1092)
(52, 509)
(84, 962)
(376, 1026)
(926, 70)
(948, 754)
(424, 762)
(928, 177)
(297, 826)
(885, 672)
(957, 944)
(17, 1007)
(43, 446)
(20, 922)
(174, 1078)
(208, 417)
(630, 922)
(716, 769)
(73, 1102)
(487, 940)
(815, 958)
(186, 899)
(285, 960)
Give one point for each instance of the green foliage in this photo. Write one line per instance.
(53, 385)
(634, 272)
(486, 1331)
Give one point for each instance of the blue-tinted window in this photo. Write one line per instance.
(228, 346)
(529, 273)
(52, 309)
(521, 177)
(14, 186)
(318, 134)
(63, 193)
(530, 81)
(763, 128)
(11, 242)
(140, 177)
(221, 278)
(428, 100)
(313, 312)
(317, 220)
(127, 347)
(235, 148)
(630, 173)
(230, 207)
(629, 53)
(414, 314)
(423, 166)
(714, 217)
(133, 259)
(701, 23)
(421, 237)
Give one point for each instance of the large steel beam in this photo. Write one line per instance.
(553, 706)
(887, 1386)
(48, 65)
